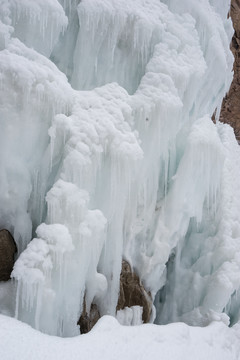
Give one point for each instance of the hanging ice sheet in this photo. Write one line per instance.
(108, 151)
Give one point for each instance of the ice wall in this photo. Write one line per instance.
(108, 151)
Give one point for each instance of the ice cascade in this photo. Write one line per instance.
(108, 151)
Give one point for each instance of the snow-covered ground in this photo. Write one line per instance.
(108, 340)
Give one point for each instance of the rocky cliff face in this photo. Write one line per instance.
(132, 292)
(8, 249)
(231, 105)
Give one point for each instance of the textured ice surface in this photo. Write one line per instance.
(108, 151)
(130, 316)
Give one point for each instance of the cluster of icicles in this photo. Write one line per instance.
(108, 151)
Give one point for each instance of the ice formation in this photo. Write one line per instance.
(108, 151)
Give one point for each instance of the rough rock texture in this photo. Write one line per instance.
(7, 250)
(88, 320)
(231, 105)
(133, 293)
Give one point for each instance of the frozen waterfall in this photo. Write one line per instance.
(108, 152)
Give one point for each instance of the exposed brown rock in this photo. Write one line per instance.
(132, 292)
(87, 321)
(7, 250)
(231, 105)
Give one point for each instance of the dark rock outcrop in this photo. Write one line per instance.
(132, 292)
(8, 249)
(88, 320)
(231, 104)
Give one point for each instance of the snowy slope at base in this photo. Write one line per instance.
(110, 341)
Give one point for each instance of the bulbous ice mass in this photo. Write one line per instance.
(108, 151)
